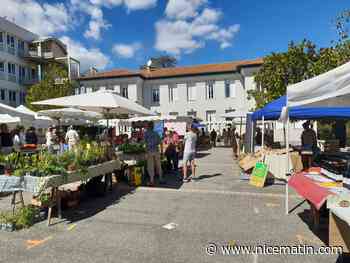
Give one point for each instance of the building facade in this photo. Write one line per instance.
(202, 91)
(23, 58)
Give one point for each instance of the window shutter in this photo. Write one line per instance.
(232, 89)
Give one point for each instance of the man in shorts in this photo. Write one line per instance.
(189, 154)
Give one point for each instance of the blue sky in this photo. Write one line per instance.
(125, 33)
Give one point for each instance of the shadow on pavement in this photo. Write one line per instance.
(91, 206)
(206, 176)
(322, 231)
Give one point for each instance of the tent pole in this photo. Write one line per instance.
(287, 165)
(263, 132)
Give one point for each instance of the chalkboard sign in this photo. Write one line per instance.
(259, 175)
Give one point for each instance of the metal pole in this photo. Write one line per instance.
(287, 165)
(263, 132)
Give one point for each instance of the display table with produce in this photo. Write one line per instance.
(134, 157)
(44, 171)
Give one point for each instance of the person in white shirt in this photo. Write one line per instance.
(189, 154)
(50, 139)
(16, 140)
(72, 138)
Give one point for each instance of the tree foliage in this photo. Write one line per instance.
(49, 88)
(165, 61)
(301, 61)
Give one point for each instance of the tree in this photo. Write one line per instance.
(165, 61)
(281, 69)
(54, 84)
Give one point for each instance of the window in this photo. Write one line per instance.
(155, 95)
(227, 88)
(11, 68)
(2, 67)
(22, 73)
(209, 90)
(191, 91)
(192, 113)
(124, 92)
(10, 41)
(22, 97)
(210, 115)
(3, 94)
(12, 96)
(173, 93)
(33, 73)
(1, 37)
(21, 45)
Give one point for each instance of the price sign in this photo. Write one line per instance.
(259, 175)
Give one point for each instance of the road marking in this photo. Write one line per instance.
(37, 242)
(203, 191)
(170, 226)
(256, 210)
(71, 227)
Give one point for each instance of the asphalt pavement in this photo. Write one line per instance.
(173, 223)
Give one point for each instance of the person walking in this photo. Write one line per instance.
(152, 140)
(72, 138)
(189, 154)
(213, 136)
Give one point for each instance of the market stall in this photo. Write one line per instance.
(330, 89)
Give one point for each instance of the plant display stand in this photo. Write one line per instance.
(37, 185)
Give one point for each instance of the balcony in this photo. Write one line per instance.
(34, 56)
(11, 50)
(2, 76)
(12, 78)
(20, 53)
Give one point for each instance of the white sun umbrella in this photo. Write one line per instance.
(40, 121)
(100, 101)
(70, 113)
(5, 118)
(13, 112)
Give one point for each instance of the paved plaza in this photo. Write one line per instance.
(172, 223)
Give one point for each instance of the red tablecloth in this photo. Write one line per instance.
(309, 189)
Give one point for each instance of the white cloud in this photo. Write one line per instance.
(140, 4)
(175, 37)
(43, 19)
(187, 29)
(126, 50)
(182, 9)
(94, 8)
(88, 57)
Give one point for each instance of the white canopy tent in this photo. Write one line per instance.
(5, 118)
(39, 121)
(330, 89)
(105, 102)
(13, 112)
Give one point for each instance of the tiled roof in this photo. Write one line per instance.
(177, 71)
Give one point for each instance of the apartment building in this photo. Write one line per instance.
(23, 58)
(202, 91)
